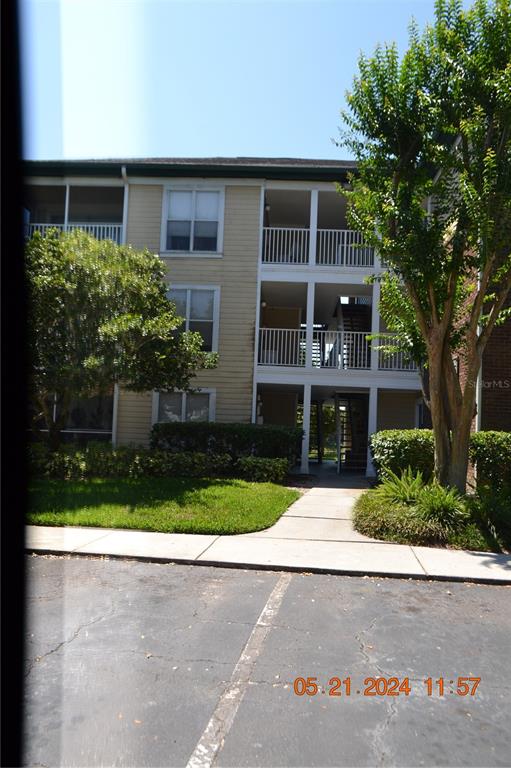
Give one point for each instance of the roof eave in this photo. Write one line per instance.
(114, 170)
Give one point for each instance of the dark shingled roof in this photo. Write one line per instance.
(250, 167)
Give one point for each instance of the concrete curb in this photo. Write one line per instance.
(315, 535)
(275, 567)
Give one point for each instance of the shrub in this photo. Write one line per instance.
(389, 521)
(491, 453)
(396, 449)
(441, 505)
(100, 460)
(493, 509)
(265, 441)
(403, 489)
(37, 458)
(262, 470)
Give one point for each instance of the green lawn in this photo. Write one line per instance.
(177, 505)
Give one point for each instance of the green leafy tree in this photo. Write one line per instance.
(432, 135)
(99, 314)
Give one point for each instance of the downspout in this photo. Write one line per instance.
(258, 304)
(124, 177)
(115, 413)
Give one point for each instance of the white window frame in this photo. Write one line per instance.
(199, 391)
(194, 188)
(216, 306)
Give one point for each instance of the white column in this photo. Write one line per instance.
(66, 207)
(124, 234)
(313, 234)
(375, 325)
(371, 427)
(337, 432)
(114, 415)
(258, 306)
(304, 467)
(309, 321)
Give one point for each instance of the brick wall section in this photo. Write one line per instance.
(495, 405)
(496, 379)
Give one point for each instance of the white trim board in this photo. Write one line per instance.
(74, 181)
(337, 379)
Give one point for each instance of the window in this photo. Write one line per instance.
(200, 308)
(184, 406)
(193, 221)
(91, 416)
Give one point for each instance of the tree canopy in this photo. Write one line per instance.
(98, 315)
(431, 133)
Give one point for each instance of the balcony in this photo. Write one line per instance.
(99, 211)
(334, 247)
(285, 245)
(398, 361)
(341, 350)
(282, 346)
(342, 248)
(99, 231)
(333, 350)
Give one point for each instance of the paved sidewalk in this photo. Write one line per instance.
(314, 535)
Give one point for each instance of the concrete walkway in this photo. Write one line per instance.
(314, 535)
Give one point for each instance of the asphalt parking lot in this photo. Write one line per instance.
(145, 664)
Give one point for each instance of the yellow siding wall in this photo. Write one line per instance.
(133, 418)
(396, 410)
(144, 216)
(236, 275)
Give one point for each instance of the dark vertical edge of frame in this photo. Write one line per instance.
(13, 389)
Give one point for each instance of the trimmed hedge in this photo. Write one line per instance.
(396, 449)
(264, 441)
(100, 460)
(261, 470)
(491, 453)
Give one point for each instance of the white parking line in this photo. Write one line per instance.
(213, 737)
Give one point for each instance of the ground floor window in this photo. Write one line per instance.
(89, 418)
(184, 406)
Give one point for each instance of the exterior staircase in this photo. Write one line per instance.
(355, 317)
(353, 432)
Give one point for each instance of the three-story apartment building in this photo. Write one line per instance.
(261, 261)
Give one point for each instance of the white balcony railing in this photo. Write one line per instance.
(285, 245)
(335, 350)
(397, 361)
(99, 231)
(343, 248)
(335, 247)
(281, 346)
(342, 350)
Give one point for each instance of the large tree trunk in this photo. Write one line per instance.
(458, 467)
(452, 411)
(463, 425)
(55, 426)
(54, 435)
(439, 417)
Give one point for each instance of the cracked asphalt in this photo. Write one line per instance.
(128, 662)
